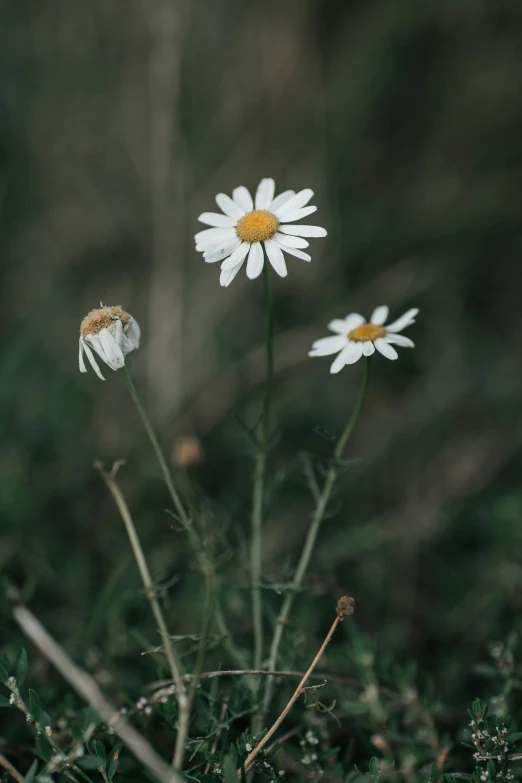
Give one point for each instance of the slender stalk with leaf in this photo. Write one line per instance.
(318, 516)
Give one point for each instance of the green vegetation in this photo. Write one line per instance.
(119, 122)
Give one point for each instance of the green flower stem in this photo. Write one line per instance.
(205, 563)
(150, 592)
(162, 462)
(313, 530)
(259, 480)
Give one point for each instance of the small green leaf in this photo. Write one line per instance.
(514, 737)
(44, 747)
(4, 667)
(374, 769)
(32, 772)
(89, 762)
(114, 761)
(34, 705)
(229, 770)
(21, 669)
(99, 750)
(492, 770)
(77, 731)
(4, 702)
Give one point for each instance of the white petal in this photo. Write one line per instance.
(338, 325)
(126, 345)
(303, 231)
(229, 207)
(298, 201)
(405, 320)
(255, 261)
(355, 353)
(399, 339)
(286, 239)
(216, 219)
(94, 341)
(281, 199)
(241, 196)
(208, 233)
(236, 257)
(134, 333)
(368, 348)
(227, 275)
(379, 315)
(213, 255)
(113, 353)
(265, 193)
(276, 258)
(220, 236)
(221, 247)
(94, 363)
(354, 320)
(294, 251)
(116, 331)
(297, 214)
(386, 349)
(328, 345)
(83, 368)
(348, 355)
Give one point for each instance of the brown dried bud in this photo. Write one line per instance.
(379, 742)
(345, 606)
(187, 452)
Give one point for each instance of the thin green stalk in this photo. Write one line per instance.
(313, 530)
(259, 480)
(150, 592)
(205, 563)
(162, 460)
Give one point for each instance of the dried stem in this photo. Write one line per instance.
(87, 688)
(259, 479)
(345, 606)
(222, 715)
(150, 592)
(308, 548)
(12, 771)
(263, 673)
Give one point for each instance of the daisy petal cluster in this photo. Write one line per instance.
(247, 226)
(112, 333)
(354, 337)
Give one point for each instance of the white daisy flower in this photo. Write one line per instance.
(355, 338)
(112, 332)
(246, 225)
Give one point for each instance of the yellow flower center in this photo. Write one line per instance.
(103, 317)
(366, 332)
(257, 226)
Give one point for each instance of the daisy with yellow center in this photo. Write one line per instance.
(248, 225)
(112, 332)
(355, 338)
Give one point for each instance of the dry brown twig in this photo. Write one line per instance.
(109, 478)
(86, 687)
(345, 606)
(12, 771)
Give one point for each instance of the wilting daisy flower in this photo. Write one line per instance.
(355, 338)
(112, 332)
(246, 226)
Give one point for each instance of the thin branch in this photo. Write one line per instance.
(87, 688)
(345, 606)
(222, 715)
(183, 702)
(263, 673)
(12, 771)
(311, 537)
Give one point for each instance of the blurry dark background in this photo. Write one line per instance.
(119, 122)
